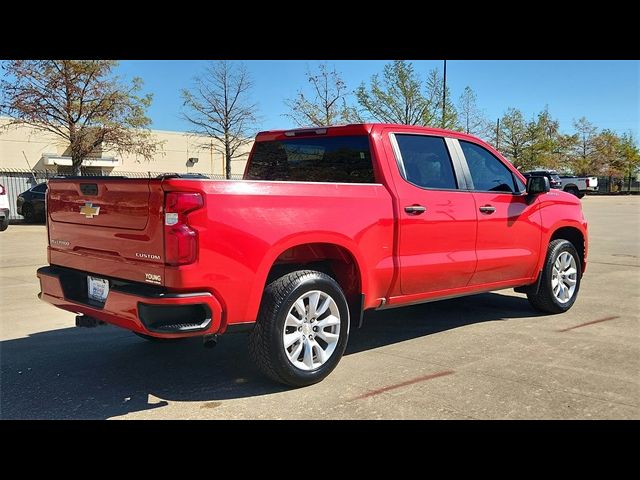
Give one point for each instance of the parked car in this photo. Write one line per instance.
(552, 175)
(4, 209)
(327, 223)
(31, 204)
(579, 186)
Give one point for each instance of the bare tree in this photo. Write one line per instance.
(471, 118)
(80, 101)
(218, 106)
(327, 104)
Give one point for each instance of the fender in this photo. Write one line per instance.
(255, 295)
(548, 232)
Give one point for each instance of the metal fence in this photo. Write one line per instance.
(16, 181)
(608, 185)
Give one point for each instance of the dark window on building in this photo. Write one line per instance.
(426, 161)
(487, 172)
(318, 159)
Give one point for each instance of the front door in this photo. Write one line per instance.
(437, 220)
(509, 231)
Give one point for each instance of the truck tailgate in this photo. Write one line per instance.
(110, 227)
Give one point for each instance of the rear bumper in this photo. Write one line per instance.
(134, 306)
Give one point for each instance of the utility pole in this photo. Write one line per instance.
(498, 135)
(444, 93)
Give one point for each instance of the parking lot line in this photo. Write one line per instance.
(423, 378)
(592, 322)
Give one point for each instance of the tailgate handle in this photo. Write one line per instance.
(89, 188)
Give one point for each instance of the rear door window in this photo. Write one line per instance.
(426, 161)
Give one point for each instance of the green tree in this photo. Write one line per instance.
(471, 118)
(80, 101)
(218, 106)
(433, 115)
(513, 137)
(583, 154)
(327, 103)
(546, 146)
(396, 97)
(629, 155)
(607, 148)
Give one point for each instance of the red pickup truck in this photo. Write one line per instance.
(327, 223)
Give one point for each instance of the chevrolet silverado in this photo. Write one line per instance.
(327, 223)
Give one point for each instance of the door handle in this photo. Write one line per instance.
(415, 209)
(488, 209)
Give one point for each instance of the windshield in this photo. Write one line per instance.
(319, 159)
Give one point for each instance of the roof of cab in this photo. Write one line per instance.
(355, 129)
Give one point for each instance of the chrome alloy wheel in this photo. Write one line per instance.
(564, 277)
(311, 330)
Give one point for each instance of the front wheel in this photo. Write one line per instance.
(4, 224)
(560, 280)
(302, 328)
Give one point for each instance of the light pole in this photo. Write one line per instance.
(444, 93)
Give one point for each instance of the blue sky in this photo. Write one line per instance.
(606, 92)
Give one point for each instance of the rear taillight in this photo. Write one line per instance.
(2, 190)
(588, 183)
(180, 240)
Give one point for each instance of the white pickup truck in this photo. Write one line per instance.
(578, 186)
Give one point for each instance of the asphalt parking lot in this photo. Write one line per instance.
(487, 357)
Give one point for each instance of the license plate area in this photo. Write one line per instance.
(97, 289)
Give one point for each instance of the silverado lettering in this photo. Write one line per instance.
(327, 223)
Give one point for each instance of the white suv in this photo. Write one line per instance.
(4, 209)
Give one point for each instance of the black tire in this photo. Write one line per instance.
(157, 339)
(266, 345)
(4, 225)
(545, 300)
(581, 195)
(573, 191)
(28, 213)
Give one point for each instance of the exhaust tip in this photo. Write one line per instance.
(210, 341)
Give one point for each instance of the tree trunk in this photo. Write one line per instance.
(227, 162)
(76, 163)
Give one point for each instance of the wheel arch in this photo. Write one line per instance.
(574, 235)
(336, 256)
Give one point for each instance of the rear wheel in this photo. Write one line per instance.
(302, 328)
(4, 224)
(573, 191)
(28, 213)
(560, 280)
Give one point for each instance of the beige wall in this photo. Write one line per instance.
(172, 156)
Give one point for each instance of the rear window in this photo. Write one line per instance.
(318, 159)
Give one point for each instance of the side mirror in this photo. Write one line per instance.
(537, 185)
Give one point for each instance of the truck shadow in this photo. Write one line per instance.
(107, 372)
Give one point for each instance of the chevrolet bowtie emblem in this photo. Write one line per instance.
(88, 210)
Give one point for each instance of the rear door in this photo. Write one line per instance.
(509, 230)
(437, 219)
